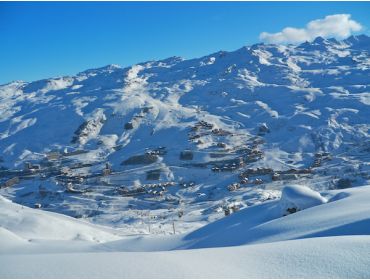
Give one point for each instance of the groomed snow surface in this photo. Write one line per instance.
(327, 236)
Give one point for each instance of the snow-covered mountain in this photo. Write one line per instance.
(189, 140)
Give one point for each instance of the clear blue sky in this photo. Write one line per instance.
(45, 39)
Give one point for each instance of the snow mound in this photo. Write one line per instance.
(346, 213)
(20, 222)
(312, 258)
(263, 244)
(295, 198)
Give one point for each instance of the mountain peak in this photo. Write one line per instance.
(172, 59)
(333, 40)
(319, 40)
(108, 68)
(361, 40)
(358, 38)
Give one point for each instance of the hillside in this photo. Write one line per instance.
(172, 145)
(330, 240)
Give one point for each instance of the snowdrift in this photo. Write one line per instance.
(23, 229)
(295, 198)
(347, 213)
(327, 240)
(332, 257)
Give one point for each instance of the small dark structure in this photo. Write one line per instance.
(129, 125)
(11, 182)
(233, 187)
(186, 155)
(71, 189)
(141, 159)
(153, 174)
(32, 167)
(344, 183)
(107, 170)
(263, 129)
(221, 145)
(53, 156)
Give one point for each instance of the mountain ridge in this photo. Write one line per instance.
(194, 136)
(362, 38)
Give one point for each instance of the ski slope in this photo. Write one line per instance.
(326, 241)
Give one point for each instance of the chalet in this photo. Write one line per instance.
(244, 181)
(71, 189)
(258, 181)
(32, 167)
(107, 170)
(187, 184)
(141, 159)
(233, 187)
(153, 174)
(73, 153)
(160, 151)
(289, 176)
(229, 209)
(216, 169)
(275, 176)
(53, 156)
(186, 155)
(65, 170)
(221, 145)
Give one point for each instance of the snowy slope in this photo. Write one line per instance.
(179, 133)
(340, 257)
(326, 241)
(346, 213)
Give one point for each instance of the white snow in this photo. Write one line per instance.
(299, 198)
(288, 126)
(38, 244)
(29, 224)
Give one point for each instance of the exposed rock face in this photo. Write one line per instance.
(88, 130)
